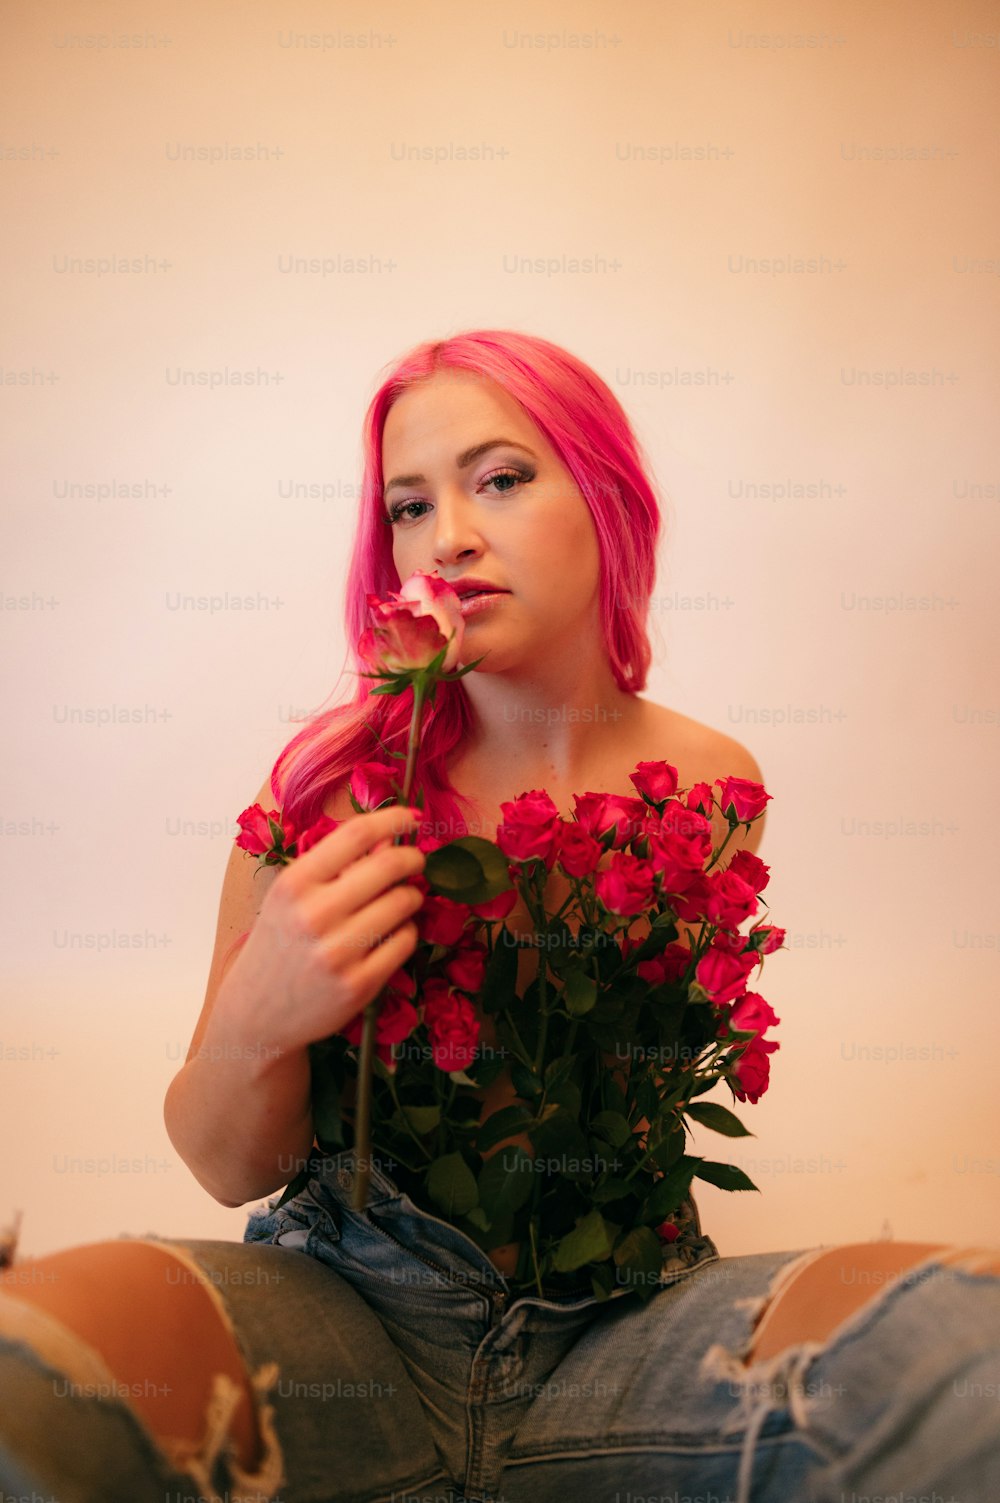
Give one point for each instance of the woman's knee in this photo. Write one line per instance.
(144, 1312)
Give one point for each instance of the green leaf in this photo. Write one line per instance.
(601, 1281)
(525, 1082)
(559, 1137)
(454, 873)
(639, 1257)
(647, 1099)
(592, 1239)
(669, 1149)
(726, 1176)
(502, 1124)
(613, 1127)
(668, 1192)
(559, 1069)
(560, 946)
(611, 1189)
(294, 1186)
(423, 1119)
(500, 979)
(567, 1094)
(451, 1184)
(701, 1086)
(468, 870)
(615, 1096)
(579, 993)
(485, 1069)
(506, 1181)
(460, 1078)
(719, 1119)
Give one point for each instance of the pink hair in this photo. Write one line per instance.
(587, 427)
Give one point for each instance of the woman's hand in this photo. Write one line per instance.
(333, 927)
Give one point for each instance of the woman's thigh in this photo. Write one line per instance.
(666, 1399)
(337, 1414)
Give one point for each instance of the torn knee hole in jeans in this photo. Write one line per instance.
(199, 1461)
(65, 1352)
(779, 1380)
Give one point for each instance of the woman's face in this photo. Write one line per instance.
(511, 515)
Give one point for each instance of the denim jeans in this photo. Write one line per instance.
(393, 1366)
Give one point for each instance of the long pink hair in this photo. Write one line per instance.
(587, 427)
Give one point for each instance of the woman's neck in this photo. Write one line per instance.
(533, 744)
(600, 761)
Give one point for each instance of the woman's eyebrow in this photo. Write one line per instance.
(463, 460)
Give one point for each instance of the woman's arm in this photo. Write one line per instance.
(237, 1112)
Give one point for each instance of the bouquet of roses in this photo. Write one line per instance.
(608, 1164)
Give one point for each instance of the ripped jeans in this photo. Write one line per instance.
(393, 1366)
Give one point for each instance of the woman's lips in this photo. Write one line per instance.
(472, 604)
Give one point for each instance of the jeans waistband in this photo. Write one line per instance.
(418, 1231)
(337, 1171)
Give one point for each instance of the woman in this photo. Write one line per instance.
(339, 1354)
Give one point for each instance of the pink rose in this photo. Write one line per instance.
(690, 904)
(453, 1030)
(773, 939)
(667, 1231)
(669, 965)
(678, 820)
(441, 921)
(435, 597)
(656, 781)
(315, 833)
(610, 818)
(745, 798)
(676, 860)
(530, 828)
(467, 967)
(700, 797)
(413, 625)
(748, 866)
(730, 899)
(750, 1073)
(733, 944)
(496, 908)
(752, 1011)
(372, 784)
(395, 1021)
(627, 887)
(579, 854)
(256, 835)
(722, 975)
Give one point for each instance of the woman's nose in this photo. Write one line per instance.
(456, 530)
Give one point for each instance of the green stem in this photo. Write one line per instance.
(406, 1121)
(525, 1057)
(722, 847)
(540, 920)
(363, 1135)
(534, 1255)
(419, 695)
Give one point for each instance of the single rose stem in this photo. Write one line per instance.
(534, 1255)
(722, 847)
(363, 1134)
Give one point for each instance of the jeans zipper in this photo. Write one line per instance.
(496, 1297)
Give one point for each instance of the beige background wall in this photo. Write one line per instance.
(823, 425)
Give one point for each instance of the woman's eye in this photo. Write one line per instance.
(397, 512)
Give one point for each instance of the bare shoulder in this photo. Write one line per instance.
(700, 752)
